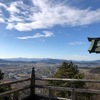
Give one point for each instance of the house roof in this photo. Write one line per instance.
(95, 45)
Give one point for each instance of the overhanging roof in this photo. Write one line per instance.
(95, 45)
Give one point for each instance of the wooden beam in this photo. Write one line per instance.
(13, 91)
(14, 82)
(32, 88)
(69, 80)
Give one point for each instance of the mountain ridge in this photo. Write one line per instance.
(44, 60)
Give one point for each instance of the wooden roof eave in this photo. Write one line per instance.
(91, 46)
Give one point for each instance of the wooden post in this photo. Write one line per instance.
(32, 84)
(50, 93)
(15, 96)
(73, 92)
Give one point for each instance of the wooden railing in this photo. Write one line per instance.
(32, 86)
(15, 92)
(72, 89)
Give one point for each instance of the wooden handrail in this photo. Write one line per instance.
(69, 80)
(54, 87)
(15, 82)
(32, 85)
(69, 89)
(72, 89)
(51, 79)
(13, 91)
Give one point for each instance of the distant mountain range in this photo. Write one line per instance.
(45, 60)
(23, 59)
(32, 60)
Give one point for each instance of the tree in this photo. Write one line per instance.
(4, 88)
(1, 75)
(69, 70)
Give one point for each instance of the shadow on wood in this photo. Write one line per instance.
(38, 97)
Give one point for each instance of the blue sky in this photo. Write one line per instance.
(48, 28)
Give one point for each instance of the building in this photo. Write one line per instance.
(95, 45)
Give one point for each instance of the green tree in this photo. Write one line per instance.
(4, 88)
(1, 75)
(69, 70)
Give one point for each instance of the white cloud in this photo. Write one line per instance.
(80, 57)
(76, 43)
(13, 9)
(46, 14)
(45, 34)
(2, 20)
(3, 5)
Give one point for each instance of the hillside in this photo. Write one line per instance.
(95, 70)
(84, 64)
